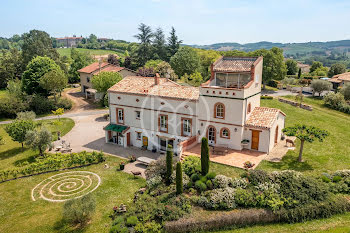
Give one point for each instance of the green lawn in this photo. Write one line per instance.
(66, 51)
(11, 152)
(19, 213)
(330, 155)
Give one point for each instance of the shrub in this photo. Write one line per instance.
(257, 177)
(211, 175)
(342, 173)
(266, 97)
(154, 182)
(79, 210)
(40, 104)
(239, 183)
(221, 181)
(118, 229)
(200, 186)
(336, 179)
(204, 156)
(272, 83)
(148, 227)
(324, 209)
(191, 165)
(9, 107)
(209, 184)
(169, 164)
(220, 199)
(179, 183)
(195, 177)
(63, 103)
(156, 168)
(325, 179)
(245, 198)
(131, 221)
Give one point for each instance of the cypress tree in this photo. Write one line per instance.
(299, 73)
(169, 164)
(204, 156)
(179, 186)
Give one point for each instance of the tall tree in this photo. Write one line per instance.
(292, 67)
(315, 65)
(299, 73)
(164, 70)
(205, 156)
(337, 68)
(18, 130)
(54, 82)
(179, 181)
(185, 61)
(39, 139)
(173, 43)
(144, 51)
(36, 69)
(37, 43)
(80, 60)
(305, 134)
(169, 164)
(104, 80)
(273, 64)
(319, 86)
(160, 50)
(11, 66)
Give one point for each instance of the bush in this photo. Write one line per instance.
(204, 156)
(118, 229)
(272, 83)
(154, 182)
(156, 168)
(41, 105)
(221, 181)
(148, 227)
(324, 209)
(267, 97)
(209, 184)
(195, 177)
(325, 179)
(223, 199)
(211, 175)
(257, 177)
(245, 198)
(63, 103)
(79, 210)
(53, 162)
(336, 179)
(200, 186)
(191, 165)
(239, 183)
(9, 107)
(131, 221)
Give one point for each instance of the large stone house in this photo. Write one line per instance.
(340, 80)
(154, 112)
(89, 71)
(69, 42)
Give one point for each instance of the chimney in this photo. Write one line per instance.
(156, 79)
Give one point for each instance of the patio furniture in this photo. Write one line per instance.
(219, 150)
(145, 160)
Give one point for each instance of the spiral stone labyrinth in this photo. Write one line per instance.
(65, 186)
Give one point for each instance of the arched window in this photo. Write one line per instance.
(225, 133)
(249, 108)
(219, 111)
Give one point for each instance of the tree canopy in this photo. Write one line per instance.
(320, 86)
(104, 80)
(160, 49)
(305, 133)
(315, 65)
(37, 43)
(11, 66)
(18, 129)
(80, 60)
(39, 139)
(335, 69)
(54, 82)
(185, 61)
(35, 70)
(292, 67)
(173, 42)
(144, 51)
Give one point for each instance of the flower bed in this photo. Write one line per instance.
(52, 162)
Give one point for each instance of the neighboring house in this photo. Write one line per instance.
(69, 42)
(89, 71)
(305, 68)
(340, 80)
(154, 112)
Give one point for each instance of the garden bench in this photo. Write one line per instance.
(145, 160)
(219, 150)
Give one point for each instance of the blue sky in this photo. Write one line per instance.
(197, 22)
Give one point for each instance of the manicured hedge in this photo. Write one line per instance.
(52, 162)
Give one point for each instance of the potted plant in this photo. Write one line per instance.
(132, 158)
(122, 166)
(247, 165)
(245, 142)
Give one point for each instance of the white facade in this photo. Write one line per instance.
(153, 121)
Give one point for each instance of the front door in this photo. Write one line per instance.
(276, 134)
(255, 139)
(128, 139)
(211, 135)
(120, 139)
(162, 143)
(144, 141)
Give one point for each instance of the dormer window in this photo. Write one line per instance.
(219, 111)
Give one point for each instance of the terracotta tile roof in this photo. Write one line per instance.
(111, 68)
(93, 67)
(234, 64)
(340, 77)
(146, 86)
(263, 117)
